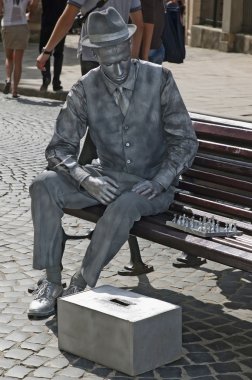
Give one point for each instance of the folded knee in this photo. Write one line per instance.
(45, 179)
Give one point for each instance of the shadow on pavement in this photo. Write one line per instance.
(213, 340)
(38, 102)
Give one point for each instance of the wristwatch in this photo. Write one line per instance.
(44, 51)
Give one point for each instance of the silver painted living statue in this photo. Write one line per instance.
(144, 139)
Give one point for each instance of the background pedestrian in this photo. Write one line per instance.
(51, 12)
(148, 9)
(156, 53)
(15, 36)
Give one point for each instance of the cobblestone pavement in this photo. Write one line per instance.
(216, 300)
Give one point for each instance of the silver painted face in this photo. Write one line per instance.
(115, 61)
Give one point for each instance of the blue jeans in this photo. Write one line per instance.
(157, 55)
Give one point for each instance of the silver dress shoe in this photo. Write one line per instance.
(44, 303)
(73, 288)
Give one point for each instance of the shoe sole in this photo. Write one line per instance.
(34, 315)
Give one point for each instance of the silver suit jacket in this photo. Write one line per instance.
(155, 140)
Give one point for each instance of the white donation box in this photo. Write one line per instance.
(120, 329)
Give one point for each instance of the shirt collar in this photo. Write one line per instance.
(128, 84)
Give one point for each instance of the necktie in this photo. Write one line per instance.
(122, 100)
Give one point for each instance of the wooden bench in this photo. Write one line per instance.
(218, 184)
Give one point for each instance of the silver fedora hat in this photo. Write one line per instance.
(106, 28)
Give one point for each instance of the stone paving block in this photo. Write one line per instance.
(49, 352)
(227, 367)
(13, 310)
(42, 338)
(45, 372)
(34, 361)
(17, 353)
(71, 372)
(18, 372)
(219, 345)
(17, 336)
(6, 328)
(202, 357)
(33, 328)
(194, 347)
(169, 372)
(198, 326)
(197, 370)
(59, 363)
(5, 344)
(210, 335)
(238, 340)
(225, 356)
(190, 337)
(7, 363)
(84, 363)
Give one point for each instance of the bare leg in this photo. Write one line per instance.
(18, 59)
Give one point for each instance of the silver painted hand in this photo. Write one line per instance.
(104, 189)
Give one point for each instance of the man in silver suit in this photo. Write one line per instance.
(144, 140)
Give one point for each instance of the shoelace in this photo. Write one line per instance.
(42, 290)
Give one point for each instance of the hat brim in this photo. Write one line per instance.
(85, 41)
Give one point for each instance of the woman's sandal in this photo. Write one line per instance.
(7, 87)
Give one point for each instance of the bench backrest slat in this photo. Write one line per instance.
(224, 165)
(218, 132)
(227, 150)
(214, 178)
(216, 193)
(214, 206)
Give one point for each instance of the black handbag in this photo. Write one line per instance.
(173, 35)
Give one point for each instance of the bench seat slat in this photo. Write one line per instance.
(233, 243)
(194, 245)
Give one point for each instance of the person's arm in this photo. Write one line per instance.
(137, 19)
(181, 140)
(61, 29)
(71, 124)
(33, 6)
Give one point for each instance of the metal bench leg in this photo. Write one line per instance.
(187, 260)
(136, 265)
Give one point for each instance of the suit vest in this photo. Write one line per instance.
(136, 143)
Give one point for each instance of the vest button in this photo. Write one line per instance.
(127, 144)
(128, 161)
(126, 127)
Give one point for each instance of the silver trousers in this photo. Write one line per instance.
(51, 192)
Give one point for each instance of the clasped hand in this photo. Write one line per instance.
(150, 189)
(104, 189)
